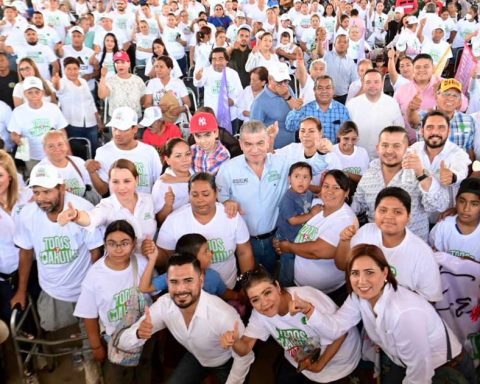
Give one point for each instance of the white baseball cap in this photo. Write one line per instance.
(240, 14)
(77, 29)
(123, 118)
(285, 16)
(45, 175)
(150, 115)
(412, 20)
(399, 10)
(279, 72)
(32, 82)
(439, 25)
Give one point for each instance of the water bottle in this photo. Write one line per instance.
(408, 175)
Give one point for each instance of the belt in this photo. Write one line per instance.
(264, 236)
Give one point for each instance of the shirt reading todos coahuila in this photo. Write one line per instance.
(62, 253)
(223, 235)
(291, 333)
(105, 293)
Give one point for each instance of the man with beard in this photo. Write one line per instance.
(63, 254)
(239, 52)
(395, 167)
(197, 320)
(444, 160)
(42, 55)
(46, 34)
(462, 126)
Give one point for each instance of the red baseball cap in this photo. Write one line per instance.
(121, 55)
(203, 122)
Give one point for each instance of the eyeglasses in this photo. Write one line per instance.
(283, 82)
(453, 95)
(123, 244)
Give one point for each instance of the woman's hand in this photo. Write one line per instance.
(169, 197)
(149, 249)
(67, 215)
(348, 232)
(280, 246)
(99, 353)
(298, 305)
(229, 338)
(232, 208)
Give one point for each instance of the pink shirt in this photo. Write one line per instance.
(407, 92)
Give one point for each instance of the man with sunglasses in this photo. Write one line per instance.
(275, 102)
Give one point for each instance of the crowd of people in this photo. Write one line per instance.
(235, 170)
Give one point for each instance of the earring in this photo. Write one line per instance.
(386, 281)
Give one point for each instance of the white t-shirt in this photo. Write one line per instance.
(62, 252)
(5, 116)
(322, 273)
(445, 237)
(33, 124)
(74, 183)
(180, 191)
(157, 89)
(223, 235)
(42, 55)
(144, 156)
(174, 48)
(412, 261)
(18, 92)
(47, 36)
(100, 37)
(176, 71)
(85, 54)
(58, 20)
(105, 293)
(142, 219)
(145, 42)
(356, 163)
(436, 51)
(291, 333)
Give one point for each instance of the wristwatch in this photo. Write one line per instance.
(423, 176)
(288, 98)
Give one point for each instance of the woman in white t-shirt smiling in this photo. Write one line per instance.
(228, 238)
(169, 194)
(409, 256)
(124, 203)
(105, 292)
(316, 242)
(285, 314)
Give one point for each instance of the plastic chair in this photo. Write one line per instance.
(81, 147)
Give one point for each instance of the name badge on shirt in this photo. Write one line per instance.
(241, 181)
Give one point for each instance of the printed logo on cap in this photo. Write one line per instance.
(202, 121)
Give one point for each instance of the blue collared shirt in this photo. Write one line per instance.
(269, 107)
(331, 120)
(342, 70)
(258, 197)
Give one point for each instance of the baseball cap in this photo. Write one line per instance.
(123, 118)
(240, 14)
(45, 175)
(121, 55)
(32, 82)
(284, 17)
(28, 27)
(279, 72)
(245, 26)
(399, 10)
(469, 185)
(150, 115)
(439, 25)
(203, 122)
(412, 20)
(77, 29)
(106, 16)
(447, 84)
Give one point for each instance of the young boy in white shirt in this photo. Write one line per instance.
(459, 235)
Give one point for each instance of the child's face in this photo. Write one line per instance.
(204, 255)
(285, 40)
(347, 142)
(206, 140)
(468, 208)
(300, 180)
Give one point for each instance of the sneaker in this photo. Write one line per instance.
(92, 372)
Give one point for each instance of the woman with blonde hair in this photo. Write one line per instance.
(26, 68)
(10, 202)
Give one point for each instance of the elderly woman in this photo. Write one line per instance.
(122, 89)
(258, 79)
(415, 343)
(77, 103)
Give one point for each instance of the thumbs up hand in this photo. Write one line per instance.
(298, 305)
(149, 248)
(67, 215)
(228, 338)
(348, 232)
(169, 197)
(145, 329)
(446, 175)
(416, 102)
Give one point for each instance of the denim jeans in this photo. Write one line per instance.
(287, 267)
(190, 371)
(264, 253)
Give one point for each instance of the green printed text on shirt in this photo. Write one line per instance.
(57, 250)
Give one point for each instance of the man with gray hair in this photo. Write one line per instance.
(254, 183)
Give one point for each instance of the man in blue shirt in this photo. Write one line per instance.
(331, 113)
(254, 183)
(275, 102)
